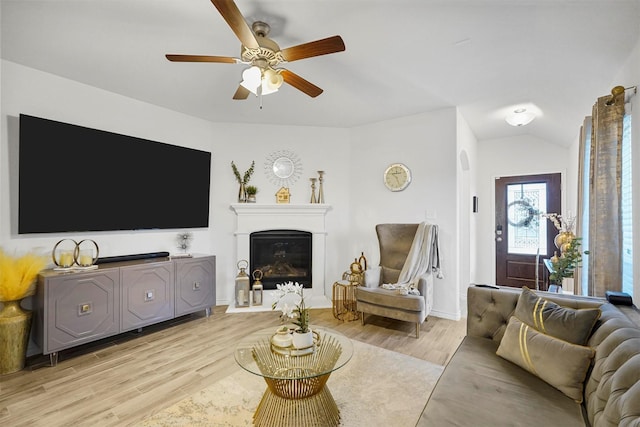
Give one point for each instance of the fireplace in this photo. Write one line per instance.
(282, 256)
(256, 217)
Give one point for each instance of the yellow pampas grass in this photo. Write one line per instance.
(18, 274)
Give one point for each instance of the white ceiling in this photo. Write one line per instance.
(402, 57)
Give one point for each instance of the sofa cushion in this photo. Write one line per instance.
(477, 388)
(559, 363)
(390, 298)
(565, 323)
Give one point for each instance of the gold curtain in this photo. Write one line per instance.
(605, 224)
(585, 137)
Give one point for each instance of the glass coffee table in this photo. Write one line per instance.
(296, 393)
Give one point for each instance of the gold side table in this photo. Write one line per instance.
(344, 301)
(296, 394)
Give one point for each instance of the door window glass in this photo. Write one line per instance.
(527, 233)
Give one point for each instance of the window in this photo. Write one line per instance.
(626, 209)
(527, 234)
(584, 283)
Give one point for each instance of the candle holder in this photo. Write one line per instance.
(313, 190)
(242, 284)
(64, 253)
(320, 190)
(86, 253)
(257, 287)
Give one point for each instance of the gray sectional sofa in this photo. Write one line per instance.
(480, 388)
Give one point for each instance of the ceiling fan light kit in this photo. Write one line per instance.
(261, 81)
(264, 55)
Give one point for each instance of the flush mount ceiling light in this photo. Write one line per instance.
(520, 117)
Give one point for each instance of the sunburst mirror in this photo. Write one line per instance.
(283, 168)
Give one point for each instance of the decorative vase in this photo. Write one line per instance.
(242, 194)
(15, 326)
(302, 339)
(282, 339)
(563, 239)
(251, 198)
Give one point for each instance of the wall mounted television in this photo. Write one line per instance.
(73, 179)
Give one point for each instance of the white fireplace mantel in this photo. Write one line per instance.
(252, 217)
(310, 216)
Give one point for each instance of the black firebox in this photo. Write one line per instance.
(282, 256)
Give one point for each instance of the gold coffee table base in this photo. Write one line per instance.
(318, 409)
(296, 392)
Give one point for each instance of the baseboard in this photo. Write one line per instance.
(315, 301)
(445, 315)
(463, 305)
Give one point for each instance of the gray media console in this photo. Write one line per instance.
(74, 308)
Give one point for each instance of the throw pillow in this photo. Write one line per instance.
(558, 363)
(565, 323)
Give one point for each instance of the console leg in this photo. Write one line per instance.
(53, 358)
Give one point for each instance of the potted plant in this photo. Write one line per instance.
(251, 190)
(298, 312)
(564, 265)
(242, 180)
(17, 277)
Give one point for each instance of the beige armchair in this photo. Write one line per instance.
(395, 242)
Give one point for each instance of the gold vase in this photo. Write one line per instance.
(242, 194)
(15, 326)
(563, 239)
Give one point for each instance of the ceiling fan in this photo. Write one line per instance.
(264, 56)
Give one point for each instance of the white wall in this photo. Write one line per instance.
(354, 161)
(524, 155)
(467, 166)
(426, 143)
(29, 91)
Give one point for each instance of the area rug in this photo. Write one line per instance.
(376, 388)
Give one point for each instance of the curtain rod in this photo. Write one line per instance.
(620, 90)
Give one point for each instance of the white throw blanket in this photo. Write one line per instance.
(423, 257)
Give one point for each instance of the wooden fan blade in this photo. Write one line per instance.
(301, 84)
(319, 47)
(201, 58)
(234, 18)
(241, 93)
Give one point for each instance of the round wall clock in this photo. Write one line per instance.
(397, 177)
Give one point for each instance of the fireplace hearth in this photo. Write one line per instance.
(282, 256)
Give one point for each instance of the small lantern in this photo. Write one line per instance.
(242, 284)
(257, 287)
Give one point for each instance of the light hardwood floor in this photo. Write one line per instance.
(121, 380)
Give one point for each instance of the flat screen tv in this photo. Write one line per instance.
(73, 178)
